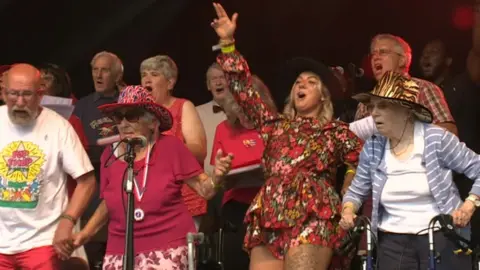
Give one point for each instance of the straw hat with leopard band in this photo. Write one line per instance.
(400, 89)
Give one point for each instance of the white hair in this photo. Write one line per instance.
(150, 120)
(213, 66)
(162, 63)
(401, 46)
(117, 65)
(148, 117)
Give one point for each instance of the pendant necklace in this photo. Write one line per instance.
(139, 214)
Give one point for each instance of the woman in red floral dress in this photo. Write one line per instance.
(293, 221)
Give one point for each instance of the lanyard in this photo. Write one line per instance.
(140, 192)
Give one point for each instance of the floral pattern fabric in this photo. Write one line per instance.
(298, 203)
(171, 259)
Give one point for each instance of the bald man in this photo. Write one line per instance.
(38, 149)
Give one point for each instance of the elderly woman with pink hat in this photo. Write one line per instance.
(162, 220)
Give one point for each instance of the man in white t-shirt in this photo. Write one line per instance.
(38, 148)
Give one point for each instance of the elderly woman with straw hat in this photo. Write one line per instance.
(162, 220)
(407, 168)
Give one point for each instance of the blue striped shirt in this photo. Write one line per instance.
(443, 153)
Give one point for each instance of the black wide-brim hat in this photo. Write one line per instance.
(289, 72)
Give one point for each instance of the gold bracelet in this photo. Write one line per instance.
(228, 49)
(350, 171)
(216, 186)
(349, 205)
(68, 217)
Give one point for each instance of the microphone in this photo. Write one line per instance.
(137, 140)
(358, 72)
(352, 236)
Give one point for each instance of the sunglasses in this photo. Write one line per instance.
(132, 116)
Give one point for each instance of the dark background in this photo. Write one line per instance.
(70, 32)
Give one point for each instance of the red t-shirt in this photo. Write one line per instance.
(247, 147)
(78, 127)
(167, 220)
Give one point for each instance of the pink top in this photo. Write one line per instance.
(167, 220)
(195, 203)
(176, 110)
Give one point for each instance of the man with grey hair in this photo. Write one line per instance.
(392, 53)
(107, 73)
(211, 113)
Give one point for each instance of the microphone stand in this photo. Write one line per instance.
(368, 230)
(431, 245)
(129, 254)
(367, 259)
(192, 238)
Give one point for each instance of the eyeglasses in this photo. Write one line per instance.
(14, 94)
(131, 116)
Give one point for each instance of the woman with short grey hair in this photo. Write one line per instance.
(159, 75)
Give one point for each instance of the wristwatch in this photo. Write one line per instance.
(475, 200)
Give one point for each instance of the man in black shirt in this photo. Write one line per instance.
(107, 73)
(462, 93)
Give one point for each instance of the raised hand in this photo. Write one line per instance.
(223, 25)
(222, 163)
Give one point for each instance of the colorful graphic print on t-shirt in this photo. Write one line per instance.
(104, 126)
(20, 174)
